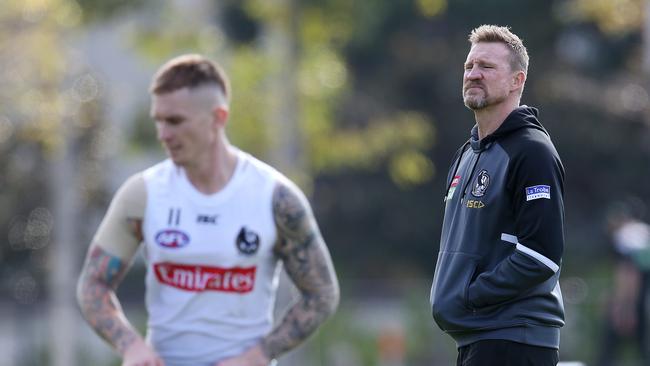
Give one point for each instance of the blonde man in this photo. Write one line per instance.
(496, 286)
(215, 225)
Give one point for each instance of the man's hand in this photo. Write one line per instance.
(140, 354)
(252, 357)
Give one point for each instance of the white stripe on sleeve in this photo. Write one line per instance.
(524, 249)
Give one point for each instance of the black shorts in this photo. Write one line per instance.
(497, 352)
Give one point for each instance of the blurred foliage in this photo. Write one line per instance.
(31, 101)
(431, 8)
(323, 83)
(101, 10)
(31, 109)
(49, 102)
(616, 17)
(250, 105)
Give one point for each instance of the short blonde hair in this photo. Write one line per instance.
(495, 33)
(189, 71)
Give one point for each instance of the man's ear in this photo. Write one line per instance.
(220, 114)
(518, 80)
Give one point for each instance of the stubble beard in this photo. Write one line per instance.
(478, 102)
(475, 102)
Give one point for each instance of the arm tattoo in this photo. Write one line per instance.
(101, 275)
(307, 262)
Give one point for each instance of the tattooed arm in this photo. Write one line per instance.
(96, 288)
(308, 263)
(108, 260)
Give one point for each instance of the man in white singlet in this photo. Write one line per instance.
(215, 224)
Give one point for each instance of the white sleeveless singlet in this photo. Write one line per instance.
(211, 272)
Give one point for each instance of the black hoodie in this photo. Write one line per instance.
(502, 238)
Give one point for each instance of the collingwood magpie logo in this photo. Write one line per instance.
(481, 184)
(248, 242)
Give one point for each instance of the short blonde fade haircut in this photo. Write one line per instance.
(190, 71)
(499, 34)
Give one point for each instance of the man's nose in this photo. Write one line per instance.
(164, 131)
(473, 73)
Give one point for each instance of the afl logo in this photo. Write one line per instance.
(247, 241)
(171, 238)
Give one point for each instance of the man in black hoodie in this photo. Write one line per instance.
(496, 289)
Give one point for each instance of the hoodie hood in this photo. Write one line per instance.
(522, 117)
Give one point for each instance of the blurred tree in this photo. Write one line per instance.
(101, 10)
(51, 138)
(615, 17)
(33, 108)
(323, 29)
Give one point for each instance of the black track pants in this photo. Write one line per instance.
(505, 353)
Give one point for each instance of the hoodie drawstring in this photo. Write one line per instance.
(469, 179)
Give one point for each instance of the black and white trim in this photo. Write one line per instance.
(524, 249)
